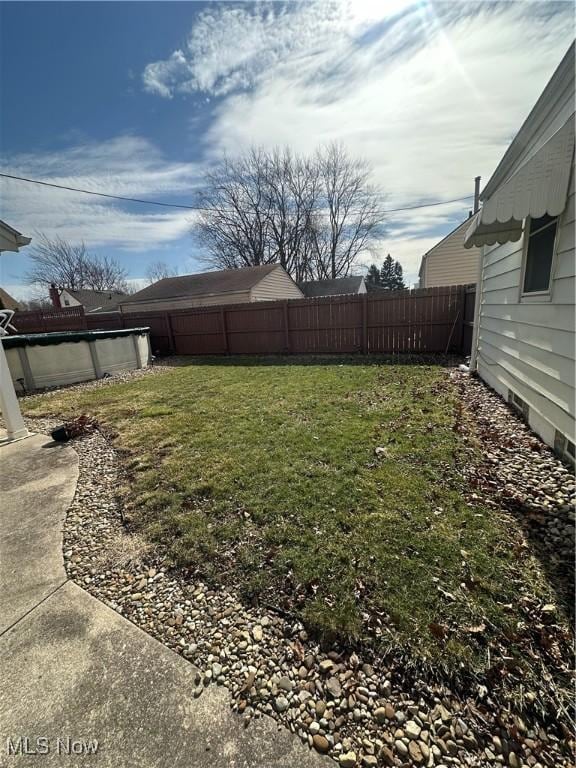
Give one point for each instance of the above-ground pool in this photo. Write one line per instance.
(40, 360)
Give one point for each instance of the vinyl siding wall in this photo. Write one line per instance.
(449, 263)
(528, 346)
(67, 300)
(276, 285)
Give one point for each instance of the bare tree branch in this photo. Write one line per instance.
(312, 215)
(67, 265)
(158, 270)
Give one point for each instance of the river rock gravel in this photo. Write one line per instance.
(362, 711)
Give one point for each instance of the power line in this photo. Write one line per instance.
(199, 207)
(429, 205)
(100, 194)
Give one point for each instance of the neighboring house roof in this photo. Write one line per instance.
(336, 287)
(7, 301)
(97, 301)
(203, 284)
(10, 238)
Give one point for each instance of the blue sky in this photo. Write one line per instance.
(138, 98)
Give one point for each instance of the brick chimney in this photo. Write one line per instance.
(55, 297)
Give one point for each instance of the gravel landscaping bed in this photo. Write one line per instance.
(360, 709)
(528, 478)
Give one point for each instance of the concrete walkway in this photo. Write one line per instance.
(72, 671)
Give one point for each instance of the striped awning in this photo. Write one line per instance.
(538, 187)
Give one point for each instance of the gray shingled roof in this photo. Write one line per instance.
(101, 301)
(336, 287)
(223, 281)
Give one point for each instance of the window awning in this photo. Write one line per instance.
(10, 238)
(539, 186)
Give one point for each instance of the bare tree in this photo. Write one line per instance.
(105, 274)
(234, 225)
(158, 270)
(348, 217)
(59, 262)
(312, 215)
(292, 191)
(28, 305)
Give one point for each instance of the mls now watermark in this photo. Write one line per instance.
(43, 745)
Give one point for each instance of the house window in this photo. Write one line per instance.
(564, 448)
(518, 404)
(66, 303)
(539, 252)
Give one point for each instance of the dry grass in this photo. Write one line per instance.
(123, 550)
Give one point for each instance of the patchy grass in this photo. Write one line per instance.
(329, 489)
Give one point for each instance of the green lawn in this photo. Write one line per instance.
(331, 490)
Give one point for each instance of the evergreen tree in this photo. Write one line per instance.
(373, 276)
(398, 276)
(387, 273)
(391, 276)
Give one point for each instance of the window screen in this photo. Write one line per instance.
(541, 237)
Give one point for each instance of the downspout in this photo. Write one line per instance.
(477, 304)
(479, 287)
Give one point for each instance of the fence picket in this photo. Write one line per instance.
(420, 320)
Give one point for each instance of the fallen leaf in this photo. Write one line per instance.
(475, 629)
(439, 631)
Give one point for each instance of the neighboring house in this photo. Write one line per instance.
(449, 262)
(92, 301)
(524, 340)
(228, 286)
(7, 301)
(337, 287)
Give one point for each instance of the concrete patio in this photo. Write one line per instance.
(73, 672)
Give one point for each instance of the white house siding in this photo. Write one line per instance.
(449, 263)
(67, 300)
(528, 347)
(277, 285)
(187, 302)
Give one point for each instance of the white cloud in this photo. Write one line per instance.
(232, 48)
(128, 166)
(430, 94)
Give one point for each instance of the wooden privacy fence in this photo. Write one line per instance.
(427, 320)
(50, 320)
(422, 320)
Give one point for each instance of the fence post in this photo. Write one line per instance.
(224, 329)
(286, 326)
(170, 334)
(364, 323)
